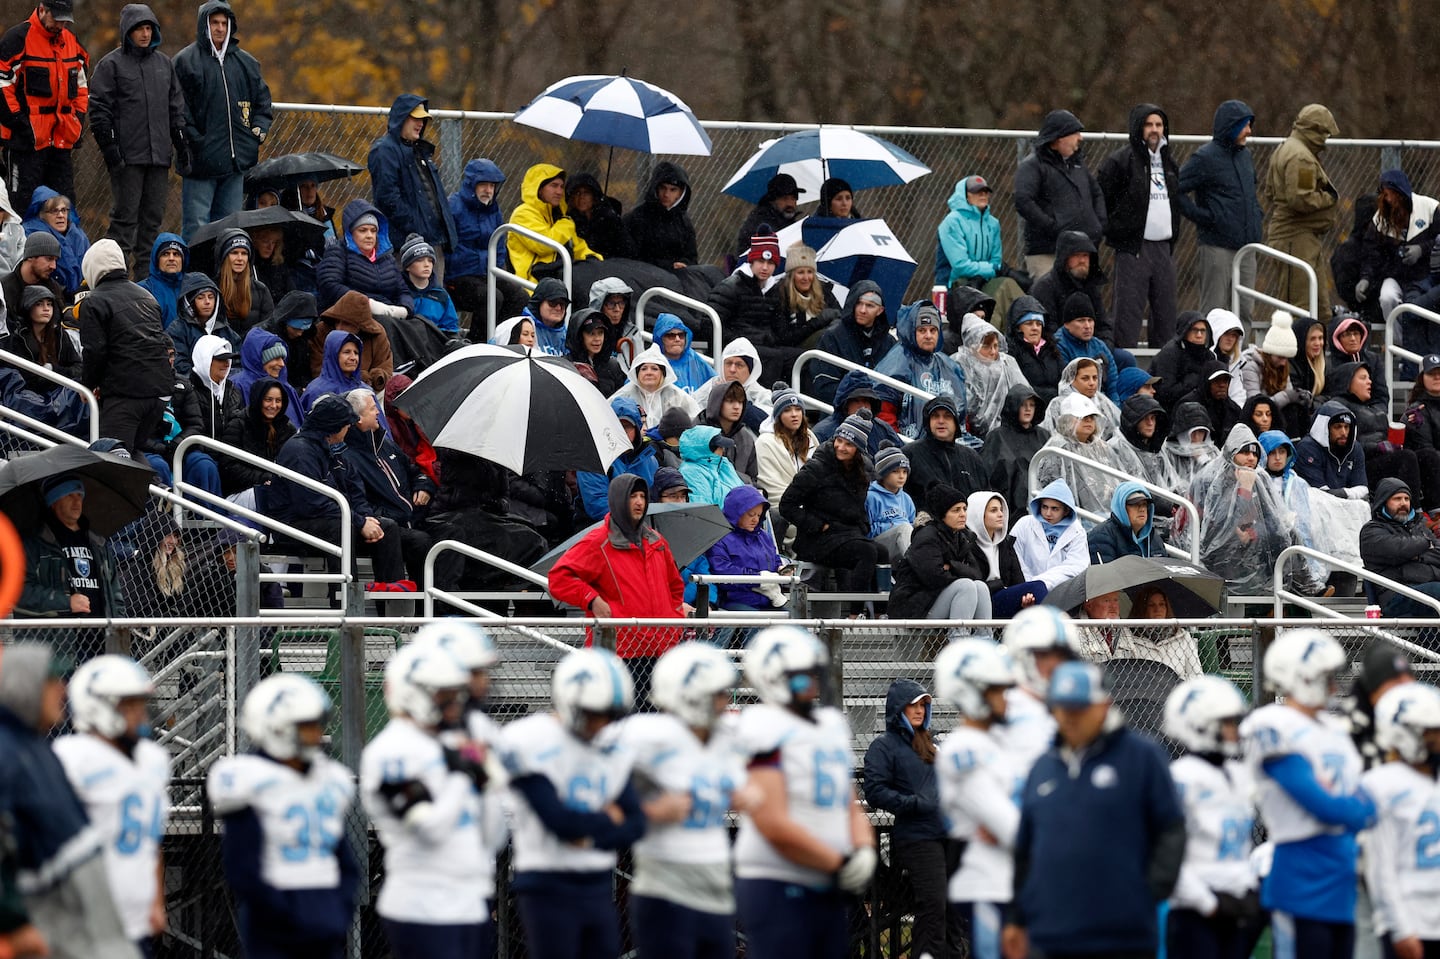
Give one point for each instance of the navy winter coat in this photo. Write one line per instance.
(406, 181)
(896, 779)
(363, 453)
(848, 341)
(1054, 193)
(1116, 815)
(475, 221)
(344, 268)
(308, 454)
(1221, 176)
(225, 101)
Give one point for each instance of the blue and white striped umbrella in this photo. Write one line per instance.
(813, 156)
(848, 251)
(618, 112)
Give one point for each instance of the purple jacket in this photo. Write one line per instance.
(741, 553)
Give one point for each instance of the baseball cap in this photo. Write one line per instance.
(1431, 362)
(62, 10)
(977, 184)
(1137, 497)
(1077, 684)
(419, 113)
(1219, 373)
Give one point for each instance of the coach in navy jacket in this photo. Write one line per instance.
(1102, 833)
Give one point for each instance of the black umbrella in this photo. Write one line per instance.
(1194, 593)
(302, 232)
(293, 169)
(117, 488)
(689, 528)
(521, 409)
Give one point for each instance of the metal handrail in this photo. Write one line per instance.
(480, 556)
(53, 435)
(345, 551)
(1160, 492)
(1262, 250)
(1283, 595)
(845, 364)
(93, 404)
(1395, 352)
(661, 293)
(492, 271)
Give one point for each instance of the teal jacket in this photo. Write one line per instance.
(970, 239)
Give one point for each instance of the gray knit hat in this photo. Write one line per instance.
(856, 428)
(782, 397)
(414, 248)
(890, 457)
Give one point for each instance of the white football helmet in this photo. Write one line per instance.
(590, 682)
(965, 669)
(1402, 717)
(687, 679)
(776, 659)
(96, 690)
(416, 676)
(1035, 628)
(1195, 711)
(276, 706)
(1301, 665)
(470, 645)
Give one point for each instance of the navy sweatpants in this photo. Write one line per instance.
(1297, 938)
(667, 930)
(420, 940)
(571, 926)
(784, 920)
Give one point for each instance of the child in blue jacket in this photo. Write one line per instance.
(432, 303)
(892, 511)
(747, 550)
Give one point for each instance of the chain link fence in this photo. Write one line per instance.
(867, 656)
(912, 211)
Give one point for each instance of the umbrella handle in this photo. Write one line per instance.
(12, 566)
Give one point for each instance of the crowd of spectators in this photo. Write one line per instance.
(1277, 433)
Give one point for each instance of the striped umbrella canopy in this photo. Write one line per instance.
(523, 410)
(618, 112)
(814, 156)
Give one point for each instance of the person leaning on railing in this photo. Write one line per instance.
(1399, 544)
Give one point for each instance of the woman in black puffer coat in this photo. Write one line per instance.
(942, 575)
(825, 502)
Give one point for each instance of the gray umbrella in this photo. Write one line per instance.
(689, 528)
(1194, 592)
(117, 488)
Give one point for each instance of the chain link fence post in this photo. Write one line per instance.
(247, 638)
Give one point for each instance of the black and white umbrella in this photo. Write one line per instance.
(523, 410)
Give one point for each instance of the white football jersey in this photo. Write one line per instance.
(435, 867)
(980, 785)
(816, 763)
(1276, 730)
(1028, 730)
(128, 801)
(669, 755)
(1402, 852)
(302, 815)
(1219, 823)
(587, 777)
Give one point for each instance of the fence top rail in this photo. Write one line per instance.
(880, 129)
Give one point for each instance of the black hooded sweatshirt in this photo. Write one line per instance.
(1372, 420)
(1178, 363)
(848, 341)
(609, 377)
(1010, 446)
(659, 236)
(1399, 548)
(252, 433)
(1057, 286)
(601, 229)
(1054, 194)
(1224, 413)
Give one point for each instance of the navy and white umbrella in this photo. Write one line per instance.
(618, 112)
(853, 250)
(814, 156)
(523, 410)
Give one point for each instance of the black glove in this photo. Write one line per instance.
(404, 795)
(1238, 909)
(183, 158)
(468, 759)
(1410, 253)
(114, 159)
(1362, 289)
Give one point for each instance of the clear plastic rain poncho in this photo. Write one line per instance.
(1109, 412)
(1324, 522)
(1294, 494)
(1244, 523)
(1185, 457)
(1091, 487)
(987, 380)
